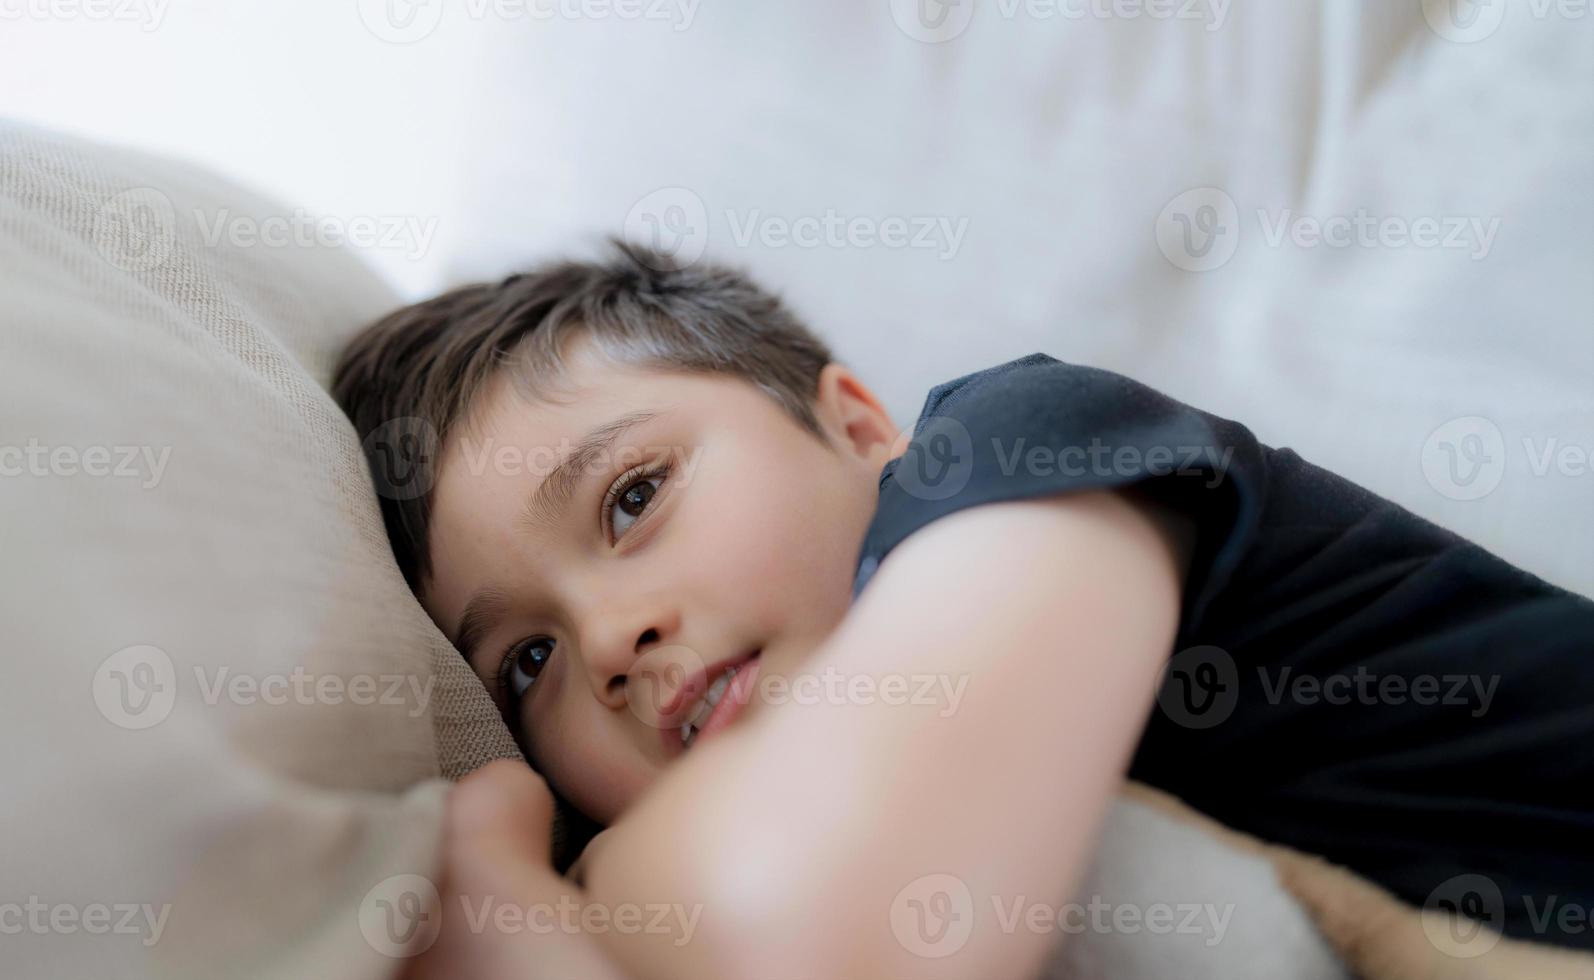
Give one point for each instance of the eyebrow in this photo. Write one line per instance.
(488, 605)
(482, 613)
(552, 495)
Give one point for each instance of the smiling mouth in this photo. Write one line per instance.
(722, 702)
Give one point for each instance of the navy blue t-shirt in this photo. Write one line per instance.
(1348, 679)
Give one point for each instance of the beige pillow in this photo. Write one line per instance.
(224, 713)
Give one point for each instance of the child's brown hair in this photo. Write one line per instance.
(410, 379)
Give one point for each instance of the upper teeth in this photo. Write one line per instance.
(705, 708)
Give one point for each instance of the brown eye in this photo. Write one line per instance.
(632, 501)
(527, 663)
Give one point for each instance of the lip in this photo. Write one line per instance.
(737, 696)
(683, 702)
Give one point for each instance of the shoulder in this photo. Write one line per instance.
(1040, 396)
(1039, 428)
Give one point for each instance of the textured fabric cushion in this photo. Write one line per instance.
(221, 699)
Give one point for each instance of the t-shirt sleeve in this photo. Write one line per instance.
(1037, 427)
(1347, 674)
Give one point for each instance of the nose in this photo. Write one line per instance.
(614, 641)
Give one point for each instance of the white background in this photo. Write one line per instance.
(1055, 135)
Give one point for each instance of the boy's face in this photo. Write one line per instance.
(709, 528)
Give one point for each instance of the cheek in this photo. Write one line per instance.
(781, 533)
(581, 750)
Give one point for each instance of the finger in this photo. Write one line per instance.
(503, 809)
(578, 870)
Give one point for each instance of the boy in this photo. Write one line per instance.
(641, 525)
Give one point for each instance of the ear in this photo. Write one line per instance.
(854, 417)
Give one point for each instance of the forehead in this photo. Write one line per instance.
(515, 433)
(514, 437)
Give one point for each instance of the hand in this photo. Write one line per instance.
(496, 854)
(578, 870)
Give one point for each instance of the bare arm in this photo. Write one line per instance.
(796, 836)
